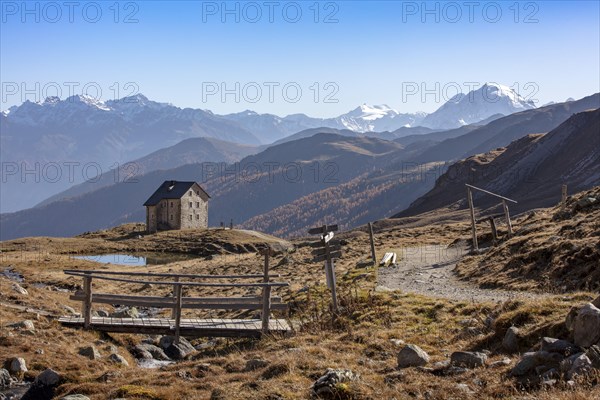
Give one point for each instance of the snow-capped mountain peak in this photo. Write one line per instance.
(479, 104)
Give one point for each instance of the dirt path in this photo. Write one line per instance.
(428, 270)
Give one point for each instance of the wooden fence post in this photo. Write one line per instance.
(87, 301)
(473, 227)
(330, 273)
(507, 216)
(266, 295)
(494, 230)
(175, 288)
(373, 256)
(178, 313)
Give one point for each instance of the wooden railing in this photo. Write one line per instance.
(265, 302)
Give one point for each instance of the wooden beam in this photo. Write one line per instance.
(266, 309)
(87, 301)
(371, 239)
(563, 202)
(334, 254)
(174, 310)
(490, 193)
(472, 213)
(165, 275)
(321, 231)
(178, 313)
(494, 230)
(507, 216)
(201, 284)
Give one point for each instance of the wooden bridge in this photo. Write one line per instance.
(176, 325)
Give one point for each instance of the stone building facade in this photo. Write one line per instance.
(177, 205)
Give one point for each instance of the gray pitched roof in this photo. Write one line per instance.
(171, 190)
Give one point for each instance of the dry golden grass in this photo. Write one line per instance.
(358, 339)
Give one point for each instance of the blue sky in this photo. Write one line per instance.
(404, 54)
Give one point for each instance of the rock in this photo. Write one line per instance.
(118, 359)
(510, 343)
(102, 313)
(501, 363)
(23, 325)
(4, 378)
(468, 359)
(149, 351)
(527, 363)
(581, 366)
(19, 289)
(43, 387)
(593, 354)
(176, 351)
(586, 330)
(256, 363)
(563, 347)
(127, 312)
(596, 302)
(17, 366)
(531, 360)
(70, 310)
(90, 352)
(75, 397)
(412, 356)
(328, 385)
(48, 377)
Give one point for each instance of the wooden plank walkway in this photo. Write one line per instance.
(188, 327)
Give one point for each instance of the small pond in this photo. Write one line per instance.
(136, 260)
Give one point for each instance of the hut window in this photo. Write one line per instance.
(197, 204)
(190, 204)
(171, 204)
(190, 192)
(197, 216)
(171, 217)
(190, 217)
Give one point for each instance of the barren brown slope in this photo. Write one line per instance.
(552, 250)
(530, 170)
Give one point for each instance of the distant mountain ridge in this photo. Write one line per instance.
(477, 105)
(530, 170)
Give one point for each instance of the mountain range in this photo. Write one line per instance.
(98, 137)
(347, 177)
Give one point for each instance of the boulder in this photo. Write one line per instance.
(90, 352)
(560, 346)
(412, 356)
(586, 331)
(24, 325)
(327, 386)
(176, 351)
(510, 343)
(468, 359)
(501, 363)
(43, 387)
(581, 366)
(596, 302)
(530, 361)
(102, 313)
(4, 378)
(118, 359)
(16, 366)
(153, 351)
(527, 363)
(75, 397)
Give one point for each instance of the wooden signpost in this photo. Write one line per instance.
(327, 250)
